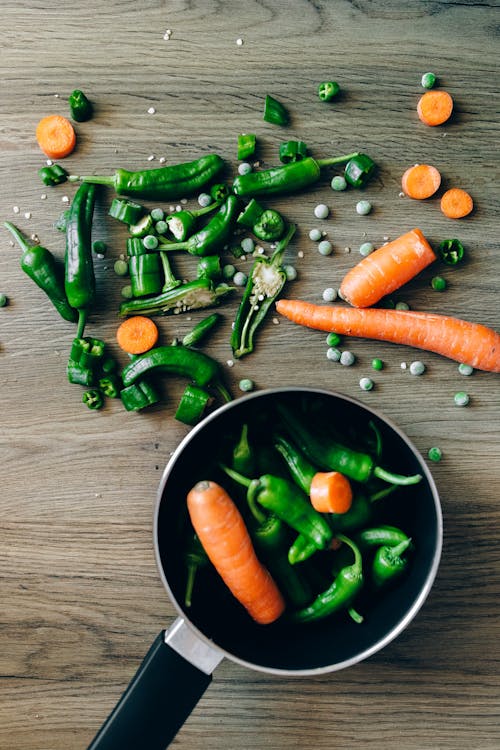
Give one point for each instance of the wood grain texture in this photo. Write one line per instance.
(81, 597)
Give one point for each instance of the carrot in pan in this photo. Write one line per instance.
(330, 492)
(469, 343)
(435, 107)
(456, 203)
(56, 136)
(224, 537)
(387, 269)
(421, 181)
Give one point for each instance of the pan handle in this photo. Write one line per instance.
(167, 686)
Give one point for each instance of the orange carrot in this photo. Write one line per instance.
(224, 537)
(456, 203)
(330, 492)
(470, 343)
(386, 269)
(435, 107)
(420, 181)
(137, 334)
(56, 136)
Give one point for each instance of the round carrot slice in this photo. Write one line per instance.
(421, 181)
(456, 203)
(137, 334)
(56, 136)
(435, 107)
(330, 492)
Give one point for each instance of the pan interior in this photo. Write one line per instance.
(281, 646)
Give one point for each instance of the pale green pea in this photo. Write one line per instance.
(157, 214)
(363, 207)
(204, 200)
(161, 227)
(246, 385)
(127, 292)
(401, 306)
(338, 182)
(291, 273)
(366, 248)
(244, 168)
(347, 358)
(247, 245)
(150, 242)
(461, 398)
(417, 368)
(333, 354)
(321, 211)
(366, 384)
(465, 369)
(325, 247)
(121, 267)
(315, 235)
(329, 294)
(239, 278)
(228, 271)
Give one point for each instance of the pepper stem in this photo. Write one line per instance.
(337, 159)
(354, 614)
(222, 391)
(82, 321)
(206, 209)
(358, 560)
(192, 569)
(256, 511)
(383, 493)
(239, 478)
(170, 280)
(19, 236)
(388, 476)
(94, 179)
(398, 550)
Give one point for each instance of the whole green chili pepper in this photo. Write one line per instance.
(212, 237)
(193, 295)
(193, 404)
(41, 266)
(80, 107)
(340, 595)
(79, 280)
(358, 170)
(287, 178)
(201, 329)
(265, 281)
(292, 151)
(195, 558)
(451, 252)
(378, 536)
(178, 360)
(242, 457)
(182, 223)
(170, 182)
(389, 564)
(330, 455)
(328, 90)
(53, 175)
(93, 399)
(275, 112)
(269, 226)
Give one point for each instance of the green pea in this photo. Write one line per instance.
(333, 339)
(121, 267)
(366, 248)
(435, 454)
(315, 235)
(366, 384)
(150, 242)
(246, 385)
(99, 247)
(325, 247)
(3, 299)
(428, 80)
(127, 292)
(338, 182)
(465, 369)
(461, 398)
(438, 283)
(363, 208)
(333, 354)
(377, 364)
(157, 214)
(247, 245)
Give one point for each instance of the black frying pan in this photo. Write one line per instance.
(178, 667)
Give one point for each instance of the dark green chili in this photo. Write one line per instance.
(79, 280)
(193, 405)
(250, 214)
(177, 360)
(201, 330)
(53, 175)
(270, 226)
(209, 267)
(195, 558)
(80, 107)
(389, 563)
(359, 170)
(275, 112)
(212, 237)
(451, 252)
(126, 211)
(379, 536)
(292, 151)
(193, 295)
(171, 182)
(328, 90)
(182, 223)
(243, 461)
(139, 395)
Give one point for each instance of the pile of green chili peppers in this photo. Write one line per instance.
(323, 563)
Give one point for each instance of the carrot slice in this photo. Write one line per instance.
(330, 492)
(137, 334)
(456, 203)
(386, 269)
(222, 532)
(56, 136)
(421, 181)
(435, 107)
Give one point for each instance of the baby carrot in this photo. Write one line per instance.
(456, 203)
(137, 334)
(469, 343)
(224, 537)
(435, 107)
(386, 269)
(56, 136)
(420, 181)
(330, 492)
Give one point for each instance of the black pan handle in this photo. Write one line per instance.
(162, 694)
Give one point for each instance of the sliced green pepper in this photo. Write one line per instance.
(139, 395)
(193, 295)
(53, 175)
(193, 405)
(80, 107)
(201, 329)
(93, 399)
(270, 226)
(246, 145)
(328, 90)
(292, 151)
(275, 112)
(451, 252)
(126, 211)
(359, 170)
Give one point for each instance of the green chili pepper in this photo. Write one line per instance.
(170, 182)
(178, 360)
(110, 385)
(242, 457)
(328, 90)
(139, 395)
(270, 226)
(182, 223)
(190, 296)
(93, 399)
(145, 274)
(287, 178)
(341, 594)
(201, 329)
(330, 455)
(219, 192)
(195, 558)
(275, 112)
(80, 107)
(126, 211)
(143, 227)
(246, 145)
(250, 214)
(193, 404)
(79, 280)
(451, 252)
(292, 151)
(389, 564)
(53, 175)
(41, 266)
(379, 536)
(358, 170)
(209, 267)
(85, 360)
(265, 281)
(211, 238)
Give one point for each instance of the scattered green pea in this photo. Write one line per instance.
(417, 368)
(333, 354)
(338, 182)
(228, 271)
(99, 247)
(363, 207)
(428, 80)
(366, 384)
(465, 369)
(127, 292)
(401, 306)
(325, 247)
(121, 267)
(239, 278)
(333, 339)
(347, 358)
(244, 168)
(377, 364)
(321, 211)
(161, 227)
(247, 245)
(329, 294)
(315, 235)
(246, 385)
(3, 299)
(461, 398)
(438, 283)
(150, 242)
(157, 214)
(366, 248)
(435, 454)
(204, 200)
(291, 273)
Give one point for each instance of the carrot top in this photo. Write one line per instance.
(137, 334)
(56, 136)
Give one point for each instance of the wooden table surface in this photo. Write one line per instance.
(81, 596)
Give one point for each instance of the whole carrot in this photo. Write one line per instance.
(469, 343)
(387, 269)
(224, 537)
